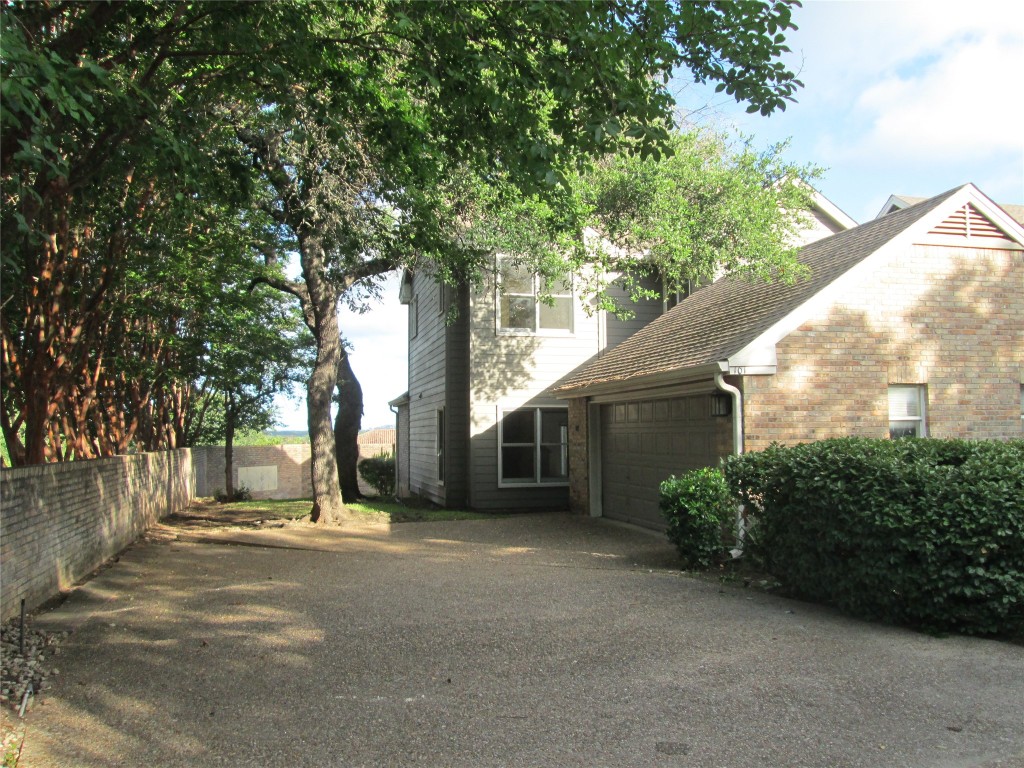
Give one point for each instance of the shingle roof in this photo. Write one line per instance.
(379, 436)
(720, 319)
(1016, 212)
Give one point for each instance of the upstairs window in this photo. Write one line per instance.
(520, 307)
(907, 411)
(534, 446)
(414, 317)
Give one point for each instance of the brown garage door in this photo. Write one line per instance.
(645, 441)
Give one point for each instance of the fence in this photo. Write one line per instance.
(60, 521)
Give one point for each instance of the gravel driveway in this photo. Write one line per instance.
(541, 640)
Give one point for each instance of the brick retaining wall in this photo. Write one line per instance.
(60, 521)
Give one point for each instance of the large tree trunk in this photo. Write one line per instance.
(346, 429)
(328, 506)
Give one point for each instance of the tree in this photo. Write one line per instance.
(361, 167)
(405, 96)
(346, 429)
(253, 350)
(106, 139)
(706, 208)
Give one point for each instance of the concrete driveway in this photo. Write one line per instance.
(542, 640)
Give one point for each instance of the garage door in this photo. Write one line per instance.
(645, 441)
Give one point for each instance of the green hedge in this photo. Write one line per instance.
(699, 511)
(923, 532)
(379, 471)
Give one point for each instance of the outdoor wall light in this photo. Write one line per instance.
(721, 405)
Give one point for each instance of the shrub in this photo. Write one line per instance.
(922, 532)
(241, 494)
(379, 471)
(699, 509)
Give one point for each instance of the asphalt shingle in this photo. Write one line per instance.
(722, 318)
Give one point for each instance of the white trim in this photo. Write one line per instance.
(764, 345)
(921, 390)
(832, 210)
(659, 393)
(440, 439)
(623, 389)
(537, 302)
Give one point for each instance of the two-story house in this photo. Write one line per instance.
(479, 426)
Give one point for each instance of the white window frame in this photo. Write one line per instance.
(414, 317)
(537, 445)
(537, 304)
(922, 403)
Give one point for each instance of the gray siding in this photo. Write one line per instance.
(475, 373)
(644, 311)
(427, 355)
(457, 400)
(516, 371)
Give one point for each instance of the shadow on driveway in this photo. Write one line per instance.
(540, 640)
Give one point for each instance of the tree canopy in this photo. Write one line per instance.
(126, 123)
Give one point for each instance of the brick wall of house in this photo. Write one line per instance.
(579, 467)
(60, 521)
(951, 319)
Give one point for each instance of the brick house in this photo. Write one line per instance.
(480, 425)
(910, 324)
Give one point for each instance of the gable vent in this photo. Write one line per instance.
(970, 223)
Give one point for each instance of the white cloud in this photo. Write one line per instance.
(960, 104)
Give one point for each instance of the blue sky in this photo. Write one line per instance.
(899, 97)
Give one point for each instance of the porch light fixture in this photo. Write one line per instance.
(721, 405)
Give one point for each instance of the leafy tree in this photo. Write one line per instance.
(706, 208)
(253, 350)
(113, 110)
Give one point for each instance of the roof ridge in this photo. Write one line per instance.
(720, 319)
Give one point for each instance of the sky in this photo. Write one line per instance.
(900, 97)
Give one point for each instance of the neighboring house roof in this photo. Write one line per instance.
(385, 436)
(736, 322)
(833, 211)
(897, 202)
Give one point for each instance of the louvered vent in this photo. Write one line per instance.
(970, 223)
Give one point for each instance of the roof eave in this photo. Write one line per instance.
(638, 384)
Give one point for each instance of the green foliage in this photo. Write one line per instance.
(413, 512)
(379, 471)
(925, 532)
(708, 206)
(241, 494)
(699, 510)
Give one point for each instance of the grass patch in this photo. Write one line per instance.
(271, 509)
(400, 513)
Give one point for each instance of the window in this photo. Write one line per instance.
(520, 307)
(673, 297)
(534, 446)
(414, 317)
(907, 411)
(439, 445)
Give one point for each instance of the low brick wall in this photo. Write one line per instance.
(268, 471)
(60, 521)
